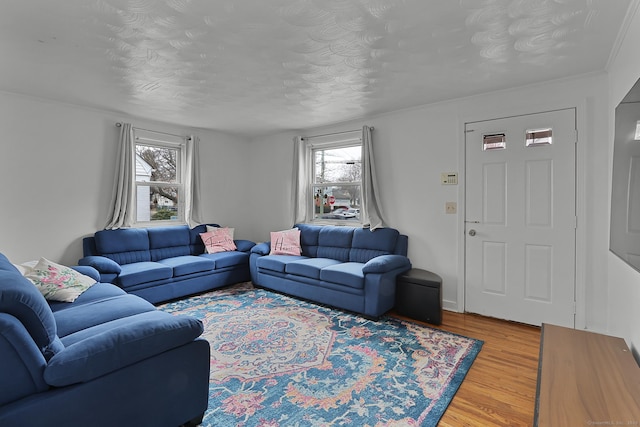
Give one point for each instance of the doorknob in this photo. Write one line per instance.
(472, 232)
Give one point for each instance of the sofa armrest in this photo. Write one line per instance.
(244, 245)
(87, 270)
(114, 345)
(101, 263)
(385, 263)
(262, 248)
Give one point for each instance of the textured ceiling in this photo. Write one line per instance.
(263, 66)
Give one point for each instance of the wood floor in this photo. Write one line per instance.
(500, 387)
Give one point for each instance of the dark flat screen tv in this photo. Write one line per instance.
(625, 192)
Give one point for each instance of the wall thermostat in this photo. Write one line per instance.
(449, 178)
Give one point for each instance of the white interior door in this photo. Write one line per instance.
(520, 219)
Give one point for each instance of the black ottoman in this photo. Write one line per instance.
(419, 296)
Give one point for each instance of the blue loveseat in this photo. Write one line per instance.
(164, 263)
(346, 267)
(105, 359)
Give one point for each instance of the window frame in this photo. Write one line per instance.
(160, 140)
(316, 144)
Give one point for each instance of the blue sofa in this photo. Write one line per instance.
(106, 359)
(350, 268)
(164, 263)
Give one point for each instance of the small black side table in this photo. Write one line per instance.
(419, 296)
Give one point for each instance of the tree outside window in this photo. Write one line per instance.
(158, 181)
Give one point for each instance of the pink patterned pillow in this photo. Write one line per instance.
(218, 240)
(286, 242)
(58, 282)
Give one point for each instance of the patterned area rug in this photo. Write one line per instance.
(278, 361)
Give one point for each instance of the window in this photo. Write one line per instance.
(159, 177)
(535, 137)
(497, 141)
(336, 182)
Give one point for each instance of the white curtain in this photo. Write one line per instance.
(371, 212)
(192, 212)
(122, 198)
(300, 180)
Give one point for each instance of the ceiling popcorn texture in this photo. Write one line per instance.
(262, 66)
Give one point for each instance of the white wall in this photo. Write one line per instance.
(624, 282)
(412, 148)
(56, 168)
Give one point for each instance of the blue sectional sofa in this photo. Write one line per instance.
(106, 359)
(164, 263)
(350, 268)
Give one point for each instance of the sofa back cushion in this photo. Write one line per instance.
(309, 239)
(335, 243)
(350, 244)
(124, 245)
(369, 244)
(22, 300)
(168, 242)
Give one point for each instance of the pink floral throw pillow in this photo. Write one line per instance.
(58, 282)
(286, 242)
(218, 240)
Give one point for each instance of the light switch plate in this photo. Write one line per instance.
(451, 207)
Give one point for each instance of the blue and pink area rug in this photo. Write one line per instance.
(278, 361)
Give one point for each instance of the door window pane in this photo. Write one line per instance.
(496, 141)
(539, 137)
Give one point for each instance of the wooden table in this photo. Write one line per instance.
(586, 379)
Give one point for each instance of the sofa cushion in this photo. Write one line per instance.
(168, 242)
(346, 273)
(124, 245)
(277, 262)
(101, 263)
(104, 348)
(309, 267)
(335, 242)
(309, 239)
(227, 259)
(99, 311)
(6, 265)
(218, 240)
(143, 272)
(195, 242)
(244, 245)
(22, 362)
(187, 264)
(21, 299)
(57, 282)
(369, 244)
(285, 242)
(96, 292)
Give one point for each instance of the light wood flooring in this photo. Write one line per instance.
(500, 387)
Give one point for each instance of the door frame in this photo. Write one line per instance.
(580, 194)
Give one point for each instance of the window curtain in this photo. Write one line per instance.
(192, 200)
(121, 214)
(300, 180)
(371, 212)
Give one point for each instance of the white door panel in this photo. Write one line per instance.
(520, 219)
